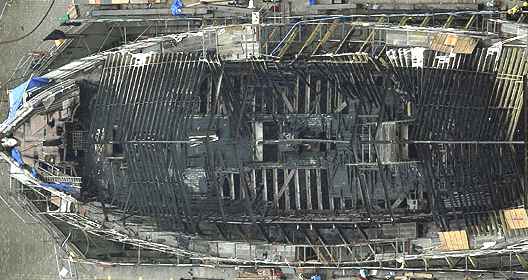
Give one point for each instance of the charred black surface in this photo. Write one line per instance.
(250, 150)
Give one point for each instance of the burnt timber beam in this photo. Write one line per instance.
(264, 185)
(425, 21)
(221, 231)
(285, 234)
(345, 39)
(319, 189)
(262, 230)
(309, 41)
(286, 192)
(308, 181)
(404, 20)
(362, 183)
(320, 256)
(470, 22)
(323, 243)
(289, 41)
(449, 21)
(297, 190)
(331, 29)
(344, 240)
(275, 182)
(217, 72)
(381, 167)
(363, 233)
(371, 36)
(243, 233)
(474, 262)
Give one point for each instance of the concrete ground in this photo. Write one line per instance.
(27, 250)
(19, 18)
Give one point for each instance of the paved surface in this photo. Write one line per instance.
(26, 248)
(19, 18)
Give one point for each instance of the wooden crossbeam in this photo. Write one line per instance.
(370, 37)
(275, 188)
(322, 242)
(425, 21)
(449, 21)
(470, 22)
(310, 39)
(473, 262)
(262, 230)
(243, 233)
(319, 189)
(287, 102)
(291, 38)
(287, 180)
(297, 190)
(308, 185)
(327, 36)
(345, 39)
(221, 231)
(344, 240)
(264, 185)
(320, 257)
(404, 21)
(285, 234)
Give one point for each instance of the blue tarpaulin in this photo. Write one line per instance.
(34, 172)
(17, 156)
(16, 96)
(63, 187)
(176, 7)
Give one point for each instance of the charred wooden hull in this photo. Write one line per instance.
(324, 154)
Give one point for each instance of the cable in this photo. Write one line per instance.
(33, 30)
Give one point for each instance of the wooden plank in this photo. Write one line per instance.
(329, 32)
(308, 186)
(291, 38)
(296, 93)
(516, 218)
(232, 185)
(345, 39)
(453, 240)
(258, 127)
(254, 182)
(56, 200)
(311, 38)
(307, 95)
(287, 102)
(319, 190)
(287, 180)
(286, 188)
(453, 43)
(275, 188)
(297, 190)
(241, 186)
(328, 97)
(265, 185)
